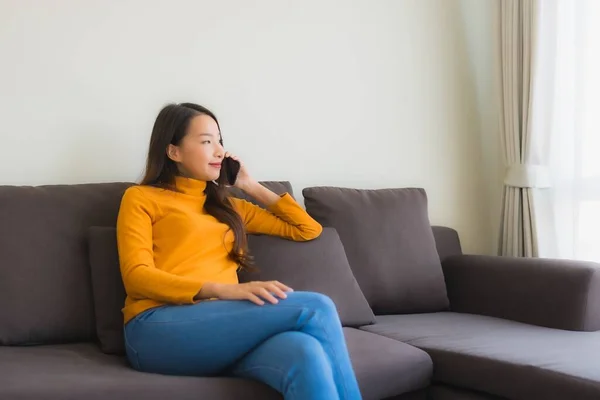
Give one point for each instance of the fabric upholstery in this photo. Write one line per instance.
(558, 294)
(319, 265)
(385, 367)
(389, 243)
(447, 242)
(45, 288)
(81, 371)
(108, 289)
(503, 358)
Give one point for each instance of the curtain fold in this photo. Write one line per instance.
(518, 236)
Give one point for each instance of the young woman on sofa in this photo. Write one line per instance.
(181, 242)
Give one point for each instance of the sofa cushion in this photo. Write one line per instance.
(108, 289)
(319, 265)
(107, 284)
(389, 243)
(385, 367)
(500, 357)
(81, 371)
(45, 288)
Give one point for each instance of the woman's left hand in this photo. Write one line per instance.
(244, 180)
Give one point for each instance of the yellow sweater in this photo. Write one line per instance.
(169, 246)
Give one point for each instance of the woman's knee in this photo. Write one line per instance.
(302, 350)
(316, 301)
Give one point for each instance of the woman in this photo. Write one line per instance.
(182, 240)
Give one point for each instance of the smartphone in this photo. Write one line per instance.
(229, 171)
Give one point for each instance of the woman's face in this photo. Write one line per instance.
(199, 154)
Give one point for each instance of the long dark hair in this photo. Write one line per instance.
(170, 127)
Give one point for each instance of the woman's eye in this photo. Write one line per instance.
(206, 142)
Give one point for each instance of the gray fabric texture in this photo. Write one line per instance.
(389, 243)
(503, 358)
(45, 288)
(386, 367)
(558, 294)
(319, 265)
(108, 289)
(82, 371)
(447, 242)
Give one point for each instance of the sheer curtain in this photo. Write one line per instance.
(568, 110)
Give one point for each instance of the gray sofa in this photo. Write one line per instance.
(422, 320)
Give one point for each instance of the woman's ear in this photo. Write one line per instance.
(173, 153)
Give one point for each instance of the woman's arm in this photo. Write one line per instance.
(283, 217)
(262, 194)
(141, 278)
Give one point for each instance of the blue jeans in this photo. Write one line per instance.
(296, 346)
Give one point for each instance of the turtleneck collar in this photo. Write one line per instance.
(189, 186)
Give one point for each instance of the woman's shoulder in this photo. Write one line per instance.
(144, 193)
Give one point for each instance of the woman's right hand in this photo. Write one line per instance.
(256, 292)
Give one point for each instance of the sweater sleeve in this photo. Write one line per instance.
(285, 218)
(141, 278)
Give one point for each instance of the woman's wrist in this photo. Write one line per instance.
(209, 290)
(261, 193)
(249, 187)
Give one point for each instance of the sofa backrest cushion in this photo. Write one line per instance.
(319, 265)
(108, 288)
(45, 288)
(389, 243)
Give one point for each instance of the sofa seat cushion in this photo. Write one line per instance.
(82, 371)
(385, 367)
(504, 358)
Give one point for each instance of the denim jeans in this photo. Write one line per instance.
(296, 346)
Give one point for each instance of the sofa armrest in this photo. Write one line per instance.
(559, 294)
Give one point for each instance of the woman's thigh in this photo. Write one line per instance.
(208, 337)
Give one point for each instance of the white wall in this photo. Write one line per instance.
(356, 93)
(481, 22)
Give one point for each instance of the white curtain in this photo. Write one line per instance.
(567, 111)
(525, 146)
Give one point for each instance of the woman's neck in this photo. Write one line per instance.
(190, 186)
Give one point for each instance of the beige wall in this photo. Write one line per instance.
(358, 93)
(481, 21)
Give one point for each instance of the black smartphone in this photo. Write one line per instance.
(229, 171)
